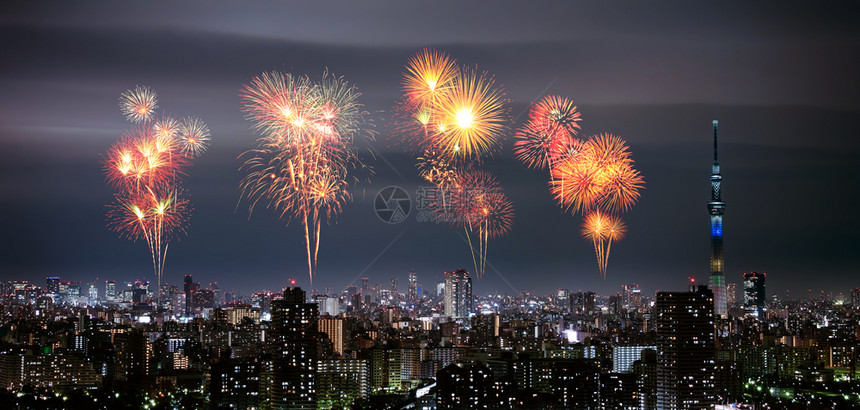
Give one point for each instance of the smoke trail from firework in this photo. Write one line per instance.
(145, 168)
(302, 166)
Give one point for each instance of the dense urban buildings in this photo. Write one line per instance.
(569, 349)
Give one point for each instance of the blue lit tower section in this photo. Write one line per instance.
(716, 207)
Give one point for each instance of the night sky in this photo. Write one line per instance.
(781, 77)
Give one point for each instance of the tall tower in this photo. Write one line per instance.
(716, 207)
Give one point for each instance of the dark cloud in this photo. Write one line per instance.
(780, 77)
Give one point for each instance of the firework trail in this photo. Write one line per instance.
(452, 118)
(479, 205)
(304, 160)
(145, 168)
(603, 229)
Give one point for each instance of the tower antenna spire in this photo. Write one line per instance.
(715, 140)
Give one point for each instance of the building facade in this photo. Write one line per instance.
(686, 365)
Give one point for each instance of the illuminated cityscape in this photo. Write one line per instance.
(443, 205)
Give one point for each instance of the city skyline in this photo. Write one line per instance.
(784, 139)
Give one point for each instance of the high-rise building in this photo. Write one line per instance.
(52, 285)
(189, 298)
(93, 294)
(413, 286)
(686, 365)
(855, 298)
(731, 295)
(754, 297)
(294, 324)
(716, 207)
(458, 294)
(110, 291)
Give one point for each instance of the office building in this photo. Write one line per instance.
(458, 294)
(754, 296)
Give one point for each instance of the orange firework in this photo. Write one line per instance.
(139, 104)
(603, 229)
(472, 117)
(600, 174)
(429, 75)
(305, 156)
(452, 118)
(595, 176)
(144, 159)
(145, 168)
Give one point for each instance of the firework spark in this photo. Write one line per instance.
(139, 104)
(603, 229)
(600, 174)
(145, 168)
(481, 208)
(193, 136)
(303, 162)
(429, 76)
(472, 116)
(593, 176)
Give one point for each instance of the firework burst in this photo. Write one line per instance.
(452, 118)
(472, 117)
(481, 208)
(429, 76)
(193, 136)
(138, 105)
(595, 176)
(145, 168)
(302, 166)
(603, 229)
